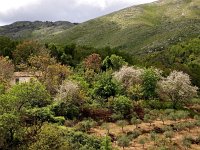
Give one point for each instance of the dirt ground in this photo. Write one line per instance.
(177, 137)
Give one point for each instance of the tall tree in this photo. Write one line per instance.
(177, 87)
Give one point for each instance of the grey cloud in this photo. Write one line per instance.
(54, 10)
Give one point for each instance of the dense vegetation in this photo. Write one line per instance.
(182, 56)
(80, 90)
(129, 79)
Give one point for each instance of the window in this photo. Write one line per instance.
(17, 80)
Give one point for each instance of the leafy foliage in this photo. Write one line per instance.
(6, 70)
(106, 86)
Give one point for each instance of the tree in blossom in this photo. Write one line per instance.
(176, 87)
(129, 76)
(68, 90)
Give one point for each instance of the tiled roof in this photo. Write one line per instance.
(26, 74)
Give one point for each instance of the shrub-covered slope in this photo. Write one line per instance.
(138, 29)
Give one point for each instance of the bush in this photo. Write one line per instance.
(79, 140)
(135, 121)
(85, 125)
(157, 104)
(122, 105)
(106, 143)
(169, 134)
(60, 120)
(105, 87)
(68, 110)
(123, 141)
(122, 124)
(134, 134)
(187, 141)
(113, 62)
(149, 78)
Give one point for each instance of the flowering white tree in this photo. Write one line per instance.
(129, 76)
(68, 91)
(177, 87)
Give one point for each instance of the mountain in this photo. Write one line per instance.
(37, 29)
(139, 29)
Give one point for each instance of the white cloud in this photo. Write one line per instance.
(108, 3)
(7, 5)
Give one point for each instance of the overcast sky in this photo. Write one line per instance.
(54, 10)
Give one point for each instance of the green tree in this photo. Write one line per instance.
(7, 46)
(105, 86)
(113, 62)
(122, 124)
(153, 137)
(135, 121)
(122, 105)
(9, 127)
(148, 118)
(162, 117)
(50, 137)
(86, 125)
(135, 92)
(68, 100)
(169, 134)
(142, 141)
(23, 109)
(107, 127)
(106, 143)
(25, 49)
(150, 78)
(123, 141)
(31, 94)
(187, 142)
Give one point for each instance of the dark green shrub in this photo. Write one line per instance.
(122, 105)
(134, 134)
(85, 125)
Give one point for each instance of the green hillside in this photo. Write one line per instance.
(138, 29)
(37, 29)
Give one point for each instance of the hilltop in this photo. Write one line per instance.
(36, 29)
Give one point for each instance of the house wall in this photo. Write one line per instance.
(21, 80)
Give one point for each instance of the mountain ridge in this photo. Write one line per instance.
(35, 29)
(140, 29)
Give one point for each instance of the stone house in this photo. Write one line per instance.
(21, 77)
